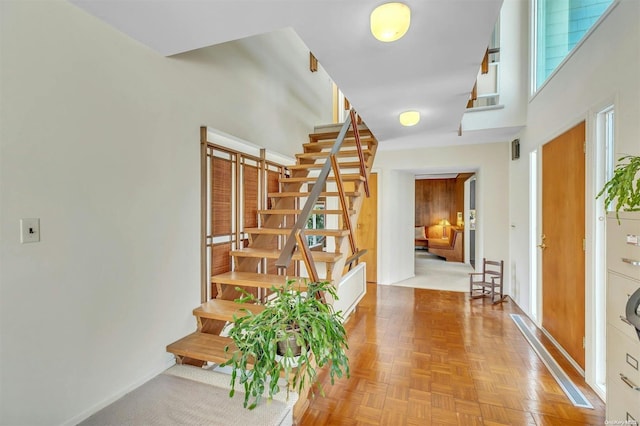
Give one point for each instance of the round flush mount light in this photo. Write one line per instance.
(390, 21)
(409, 118)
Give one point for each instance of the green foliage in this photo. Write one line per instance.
(318, 330)
(624, 186)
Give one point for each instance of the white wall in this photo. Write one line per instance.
(396, 207)
(100, 140)
(397, 202)
(605, 68)
(513, 72)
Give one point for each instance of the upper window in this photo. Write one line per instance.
(559, 27)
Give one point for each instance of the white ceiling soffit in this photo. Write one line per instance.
(431, 69)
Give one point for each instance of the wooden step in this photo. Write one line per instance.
(306, 194)
(206, 347)
(287, 231)
(325, 154)
(297, 211)
(253, 279)
(225, 310)
(203, 346)
(321, 136)
(318, 256)
(317, 166)
(319, 145)
(347, 177)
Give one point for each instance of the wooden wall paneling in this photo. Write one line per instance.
(435, 200)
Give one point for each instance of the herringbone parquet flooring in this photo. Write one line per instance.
(427, 357)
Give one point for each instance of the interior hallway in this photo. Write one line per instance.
(433, 272)
(425, 357)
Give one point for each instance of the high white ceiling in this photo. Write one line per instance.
(431, 69)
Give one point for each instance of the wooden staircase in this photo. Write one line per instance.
(282, 239)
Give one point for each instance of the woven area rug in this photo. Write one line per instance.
(434, 273)
(171, 400)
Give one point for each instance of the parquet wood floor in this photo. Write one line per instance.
(427, 357)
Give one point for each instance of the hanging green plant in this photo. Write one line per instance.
(624, 186)
(296, 334)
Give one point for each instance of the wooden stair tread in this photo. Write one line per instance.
(298, 211)
(225, 310)
(347, 177)
(318, 256)
(312, 166)
(306, 194)
(334, 135)
(316, 145)
(207, 347)
(203, 346)
(254, 279)
(287, 231)
(325, 154)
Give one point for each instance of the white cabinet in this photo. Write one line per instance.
(623, 342)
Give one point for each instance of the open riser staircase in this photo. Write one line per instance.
(282, 238)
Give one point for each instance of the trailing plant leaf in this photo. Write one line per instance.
(319, 332)
(624, 186)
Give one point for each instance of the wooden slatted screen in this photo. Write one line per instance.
(221, 196)
(220, 260)
(250, 176)
(236, 187)
(273, 185)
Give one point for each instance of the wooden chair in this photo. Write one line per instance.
(488, 281)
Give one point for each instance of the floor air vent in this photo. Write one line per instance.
(569, 388)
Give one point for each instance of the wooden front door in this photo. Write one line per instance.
(367, 232)
(563, 231)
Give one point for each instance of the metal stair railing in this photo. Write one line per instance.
(296, 237)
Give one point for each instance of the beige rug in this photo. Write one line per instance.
(184, 396)
(435, 273)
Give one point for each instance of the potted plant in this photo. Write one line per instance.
(624, 186)
(296, 334)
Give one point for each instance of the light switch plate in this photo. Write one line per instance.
(29, 230)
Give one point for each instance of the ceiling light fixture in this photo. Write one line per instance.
(390, 21)
(409, 118)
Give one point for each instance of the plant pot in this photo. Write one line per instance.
(290, 342)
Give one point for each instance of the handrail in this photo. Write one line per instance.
(356, 135)
(355, 257)
(289, 247)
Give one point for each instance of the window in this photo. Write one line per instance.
(316, 221)
(559, 26)
(607, 117)
(604, 166)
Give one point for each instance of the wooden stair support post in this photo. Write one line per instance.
(356, 134)
(307, 258)
(343, 203)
